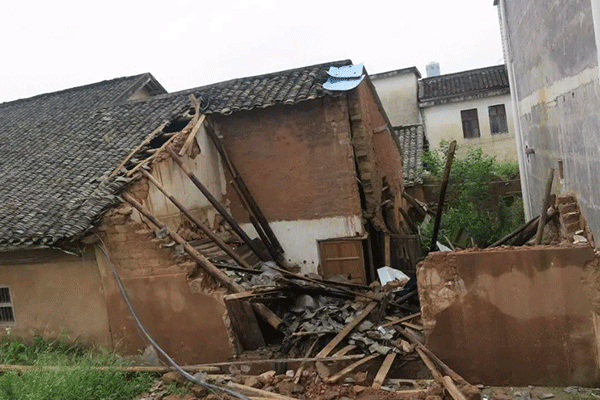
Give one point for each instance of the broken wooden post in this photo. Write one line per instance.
(445, 178)
(212, 236)
(215, 203)
(209, 267)
(545, 206)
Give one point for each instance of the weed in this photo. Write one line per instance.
(77, 379)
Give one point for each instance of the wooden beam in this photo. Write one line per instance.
(215, 203)
(205, 229)
(157, 369)
(209, 267)
(250, 391)
(154, 155)
(334, 378)
(346, 330)
(298, 374)
(452, 389)
(440, 208)
(187, 145)
(344, 350)
(282, 360)
(383, 370)
(244, 193)
(396, 321)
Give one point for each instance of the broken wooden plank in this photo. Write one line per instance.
(383, 370)
(344, 350)
(209, 267)
(187, 145)
(334, 378)
(137, 148)
(452, 389)
(437, 376)
(298, 374)
(346, 330)
(250, 391)
(412, 326)
(396, 321)
(244, 324)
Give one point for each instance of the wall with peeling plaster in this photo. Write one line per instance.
(514, 316)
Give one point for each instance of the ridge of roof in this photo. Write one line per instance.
(136, 78)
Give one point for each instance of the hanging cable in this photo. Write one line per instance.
(152, 341)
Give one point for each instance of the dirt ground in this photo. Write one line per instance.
(539, 393)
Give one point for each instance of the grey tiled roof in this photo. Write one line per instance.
(412, 142)
(285, 87)
(58, 148)
(465, 83)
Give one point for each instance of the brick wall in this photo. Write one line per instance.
(296, 160)
(378, 155)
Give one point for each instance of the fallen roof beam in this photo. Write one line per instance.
(207, 231)
(215, 203)
(209, 267)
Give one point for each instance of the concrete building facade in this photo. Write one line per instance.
(553, 63)
(471, 107)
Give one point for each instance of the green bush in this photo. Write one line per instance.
(77, 378)
(468, 197)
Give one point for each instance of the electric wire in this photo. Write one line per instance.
(142, 328)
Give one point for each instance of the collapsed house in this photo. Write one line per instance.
(322, 165)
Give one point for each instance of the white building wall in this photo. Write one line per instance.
(300, 239)
(398, 93)
(444, 122)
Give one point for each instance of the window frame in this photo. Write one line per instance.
(470, 123)
(498, 120)
(6, 305)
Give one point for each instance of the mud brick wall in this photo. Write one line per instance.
(377, 155)
(518, 316)
(295, 159)
(189, 323)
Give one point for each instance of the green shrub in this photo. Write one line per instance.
(75, 379)
(468, 197)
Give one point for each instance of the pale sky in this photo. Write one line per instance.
(48, 46)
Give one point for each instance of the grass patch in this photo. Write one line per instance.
(78, 379)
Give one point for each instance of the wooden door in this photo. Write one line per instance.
(343, 257)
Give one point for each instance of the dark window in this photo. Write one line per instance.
(6, 308)
(498, 122)
(470, 123)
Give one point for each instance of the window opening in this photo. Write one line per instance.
(470, 123)
(498, 122)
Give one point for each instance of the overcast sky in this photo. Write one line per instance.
(49, 46)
